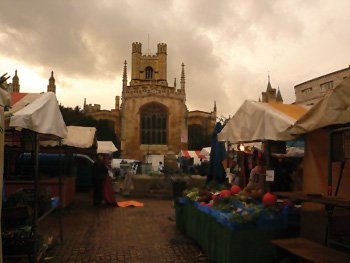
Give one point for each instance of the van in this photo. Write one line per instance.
(52, 165)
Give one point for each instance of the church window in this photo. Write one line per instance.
(153, 125)
(149, 72)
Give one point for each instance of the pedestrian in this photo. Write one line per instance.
(160, 167)
(100, 171)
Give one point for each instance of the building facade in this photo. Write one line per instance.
(15, 86)
(311, 91)
(112, 116)
(152, 118)
(153, 114)
(200, 128)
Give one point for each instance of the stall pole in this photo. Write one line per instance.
(36, 197)
(60, 196)
(330, 146)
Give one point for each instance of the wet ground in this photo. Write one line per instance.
(132, 234)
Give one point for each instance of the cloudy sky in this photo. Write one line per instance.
(228, 46)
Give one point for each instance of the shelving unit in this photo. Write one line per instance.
(38, 253)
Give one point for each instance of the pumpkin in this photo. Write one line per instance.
(225, 193)
(269, 199)
(235, 189)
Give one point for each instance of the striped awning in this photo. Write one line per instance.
(192, 154)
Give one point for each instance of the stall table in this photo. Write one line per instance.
(329, 202)
(311, 251)
(68, 187)
(222, 244)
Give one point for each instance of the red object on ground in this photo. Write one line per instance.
(130, 203)
(235, 189)
(225, 193)
(269, 199)
(108, 192)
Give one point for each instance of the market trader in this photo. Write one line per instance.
(256, 187)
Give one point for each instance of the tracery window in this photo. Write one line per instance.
(153, 125)
(149, 72)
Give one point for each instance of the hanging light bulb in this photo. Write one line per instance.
(241, 147)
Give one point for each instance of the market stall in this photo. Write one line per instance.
(36, 116)
(196, 155)
(106, 147)
(231, 227)
(244, 219)
(15, 142)
(326, 164)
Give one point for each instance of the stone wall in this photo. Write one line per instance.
(130, 140)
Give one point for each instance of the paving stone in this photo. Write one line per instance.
(106, 234)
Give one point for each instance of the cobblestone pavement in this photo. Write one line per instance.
(133, 234)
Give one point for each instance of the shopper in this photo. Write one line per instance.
(100, 171)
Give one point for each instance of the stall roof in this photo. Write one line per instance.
(77, 136)
(38, 112)
(257, 121)
(332, 109)
(106, 147)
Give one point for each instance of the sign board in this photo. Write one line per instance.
(270, 175)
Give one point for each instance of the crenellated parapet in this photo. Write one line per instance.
(136, 47)
(138, 91)
(161, 48)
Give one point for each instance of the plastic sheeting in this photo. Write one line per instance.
(77, 136)
(257, 121)
(39, 113)
(333, 108)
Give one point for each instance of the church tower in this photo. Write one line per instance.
(271, 95)
(149, 68)
(52, 86)
(153, 114)
(15, 83)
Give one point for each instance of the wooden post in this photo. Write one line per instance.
(35, 137)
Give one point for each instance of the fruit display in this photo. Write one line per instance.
(236, 208)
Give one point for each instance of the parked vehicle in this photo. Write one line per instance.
(51, 165)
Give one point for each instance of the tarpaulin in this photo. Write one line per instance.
(38, 112)
(257, 121)
(333, 108)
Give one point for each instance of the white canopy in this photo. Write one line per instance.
(38, 112)
(106, 147)
(333, 108)
(257, 121)
(77, 136)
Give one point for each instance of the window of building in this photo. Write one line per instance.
(149, 72)
(326, 86)
(306, 91)
(153, 125)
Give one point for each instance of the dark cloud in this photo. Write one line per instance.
(227, 46)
